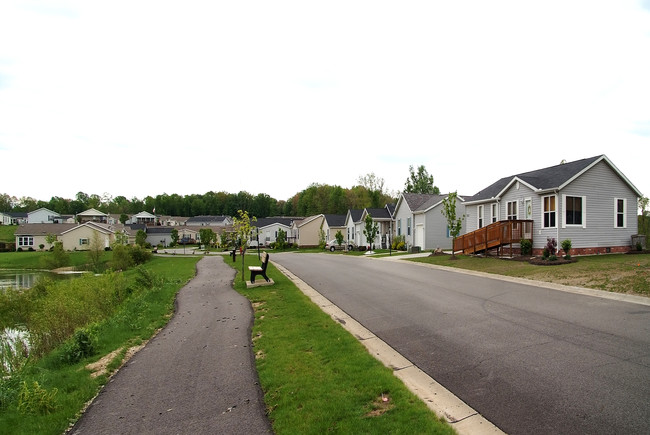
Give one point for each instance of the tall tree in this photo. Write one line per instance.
(420, 182)
(371, 228)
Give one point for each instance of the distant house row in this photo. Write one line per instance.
(588, 201)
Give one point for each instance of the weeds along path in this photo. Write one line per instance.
(196, 376)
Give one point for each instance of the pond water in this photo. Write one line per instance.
(20, 278)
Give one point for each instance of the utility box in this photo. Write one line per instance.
(639, 239)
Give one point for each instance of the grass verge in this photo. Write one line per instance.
(619, 273)
(316, 377)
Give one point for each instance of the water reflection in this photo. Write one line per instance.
(22, 279)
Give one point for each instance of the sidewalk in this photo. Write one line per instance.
(196, 376)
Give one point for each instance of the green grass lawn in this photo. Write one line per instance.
(7, 233)
(316, 377)
(620, 273)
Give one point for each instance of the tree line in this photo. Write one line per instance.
(315, 199)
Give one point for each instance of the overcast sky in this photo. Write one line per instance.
(140, 98)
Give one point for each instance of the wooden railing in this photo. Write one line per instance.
(495, 235)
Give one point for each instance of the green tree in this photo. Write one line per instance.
(243, 228)
(454, 223)
(339, 237)
(207, 236)
(420, 182)
(281, 240)
(370, 230)
(140, 238)
(174, 236)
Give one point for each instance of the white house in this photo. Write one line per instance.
(43, 216)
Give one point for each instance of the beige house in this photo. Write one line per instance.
(309, 231)
(32, 236)
(82, 237)
(74, 237)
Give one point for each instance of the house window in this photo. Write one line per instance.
(549, 211)
(83, 242)
(620, 221)
(25, 241)
(512, 210)
(573, 210)
(408, 226)
(495, 213)
(480, 216)
(399, 227)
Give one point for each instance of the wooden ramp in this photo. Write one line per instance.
(495, 235)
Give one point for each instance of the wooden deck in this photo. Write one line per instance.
(495, 235)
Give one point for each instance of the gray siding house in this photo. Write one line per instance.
(588, 201)
(418, 217)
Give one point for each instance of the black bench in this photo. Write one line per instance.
(260, 270)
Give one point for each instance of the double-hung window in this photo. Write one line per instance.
(408, 226)
(399, 227)
(511, 207)
(480, 216)
(619, 213)
(495, 213)
(549, 210)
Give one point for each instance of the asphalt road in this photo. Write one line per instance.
(196, 376)
(530, 359)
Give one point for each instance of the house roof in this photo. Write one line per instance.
(355, 214)
(265, 222)
(43, 208)
(206, 219)
(42, 229)
(422, 201)
(378, 213)
(545, 179)
(92, 212)
(335, 220)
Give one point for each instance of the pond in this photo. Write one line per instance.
(21, 278)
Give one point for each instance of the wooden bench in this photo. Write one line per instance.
(260, 270)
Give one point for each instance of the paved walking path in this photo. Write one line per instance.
(196, 376)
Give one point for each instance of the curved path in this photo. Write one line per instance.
(196, 376)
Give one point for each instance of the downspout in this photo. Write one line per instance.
(557, 223)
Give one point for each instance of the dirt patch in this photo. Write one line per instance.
(380, 406)
(99, 367)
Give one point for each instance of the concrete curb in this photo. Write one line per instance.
(460, 416)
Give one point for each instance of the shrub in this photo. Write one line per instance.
(551, 246)
(81, 345)
(639, 246)
(526, 247)
(36, 400)
(566, 247)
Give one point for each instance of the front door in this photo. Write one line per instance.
(528, 208)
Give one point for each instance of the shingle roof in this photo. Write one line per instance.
(335, 220)
(541, 179)
(263, 222)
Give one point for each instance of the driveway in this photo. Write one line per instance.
(530, 359)
(196, 376)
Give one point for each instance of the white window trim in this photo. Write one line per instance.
(584, 212)
(480, 216)
(494, 211)
(516, 202)
(624, 213)
(556, 211)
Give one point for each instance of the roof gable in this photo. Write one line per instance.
(546, 179)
